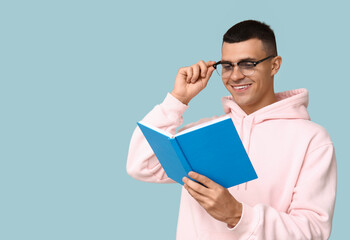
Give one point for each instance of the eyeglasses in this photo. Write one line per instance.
(246, 67)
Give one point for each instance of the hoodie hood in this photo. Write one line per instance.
(290, 105)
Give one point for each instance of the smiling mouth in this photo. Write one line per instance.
(242, 87)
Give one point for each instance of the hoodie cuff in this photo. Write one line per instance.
(248, 222)
(172, 107)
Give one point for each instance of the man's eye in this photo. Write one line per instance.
(226, 67)
(246, 65)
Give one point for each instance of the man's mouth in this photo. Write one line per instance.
(241, 87)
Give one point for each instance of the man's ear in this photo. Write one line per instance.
(276, 64)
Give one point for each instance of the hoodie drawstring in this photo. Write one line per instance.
(247, 124)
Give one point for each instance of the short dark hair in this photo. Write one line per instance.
(250, 29)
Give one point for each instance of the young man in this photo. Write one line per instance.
(294, 195)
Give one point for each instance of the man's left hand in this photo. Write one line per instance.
(214, 198)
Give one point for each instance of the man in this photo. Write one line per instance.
(294, 195)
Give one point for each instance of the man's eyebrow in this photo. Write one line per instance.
(241, 60)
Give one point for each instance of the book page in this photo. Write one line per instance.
(203, 125)
(157, 130)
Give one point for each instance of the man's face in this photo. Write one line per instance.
(255, 91)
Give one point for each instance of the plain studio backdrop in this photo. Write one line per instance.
(76, 76)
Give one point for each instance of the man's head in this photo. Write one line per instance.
(252, 29)
(246, 43)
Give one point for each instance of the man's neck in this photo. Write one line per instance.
(249, 110)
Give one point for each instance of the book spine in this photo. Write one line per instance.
(185, 164)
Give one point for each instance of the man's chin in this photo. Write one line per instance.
(243, 102)
(240, 100)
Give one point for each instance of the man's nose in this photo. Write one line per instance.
(236, 74)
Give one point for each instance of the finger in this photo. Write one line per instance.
(196, 72)
(196, 187)
(210, 63)
(203, 179)
(189, 74)
(199, 197)
(203, 68)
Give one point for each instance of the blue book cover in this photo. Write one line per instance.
(212, 149)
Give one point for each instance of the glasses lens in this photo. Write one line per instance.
(224, 70)
(247, 68)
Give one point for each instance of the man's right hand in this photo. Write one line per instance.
(191, 80)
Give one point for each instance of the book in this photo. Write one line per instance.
(212, 149)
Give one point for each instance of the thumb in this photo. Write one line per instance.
(209, 73)
(210, 68)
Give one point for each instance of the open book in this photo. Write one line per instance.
(212, 149)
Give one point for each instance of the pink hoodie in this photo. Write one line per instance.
(294, 195)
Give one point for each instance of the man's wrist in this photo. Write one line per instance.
(233, 221)
(181, 99)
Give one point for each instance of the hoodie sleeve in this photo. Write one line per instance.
(311, 210)
(142, 164)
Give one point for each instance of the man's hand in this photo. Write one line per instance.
(214, 198)
(191, 80)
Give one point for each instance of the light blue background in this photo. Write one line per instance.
(76, 76)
